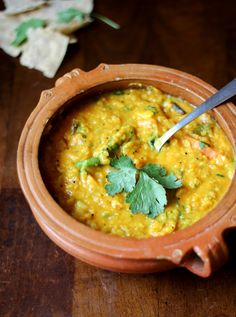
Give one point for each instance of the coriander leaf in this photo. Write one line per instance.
(170, 182)
(122, 180)
(151, 142)
(91, 162)
(151, 108)
(159, 173)
(202, 129)
(148, 196)
(220, 175)
(21, 30)
(122, 162)
(154, 170)
(69, 15)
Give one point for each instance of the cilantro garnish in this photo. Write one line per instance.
(148, 194)
(69, 15)
(21, 30)
(159, 173)
(124, 178)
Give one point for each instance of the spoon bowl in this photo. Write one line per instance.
(225, 93)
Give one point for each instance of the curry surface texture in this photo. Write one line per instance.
(200, 155)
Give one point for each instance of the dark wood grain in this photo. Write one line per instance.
(175, 293)
(37, 278)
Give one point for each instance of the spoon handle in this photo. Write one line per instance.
(219, 97)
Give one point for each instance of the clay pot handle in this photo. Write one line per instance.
(205, 259)
(210, 251)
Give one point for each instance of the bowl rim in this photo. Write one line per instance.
(51, 215)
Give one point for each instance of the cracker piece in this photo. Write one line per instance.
(7, 34)
(44, 51)
(19, 6)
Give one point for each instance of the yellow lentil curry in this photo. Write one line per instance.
(199, 155)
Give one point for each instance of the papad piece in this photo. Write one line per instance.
(50, 14)
(85, 6)
(44, 51)
(71, 27)
(19, 6)
(7, 34)
(22, 30)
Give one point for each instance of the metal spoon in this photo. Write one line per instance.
(219, 97)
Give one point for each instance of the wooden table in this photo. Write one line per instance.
(37, 278)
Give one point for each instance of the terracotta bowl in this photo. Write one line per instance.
(200, 248)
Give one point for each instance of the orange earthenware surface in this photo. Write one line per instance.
(200, 248)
